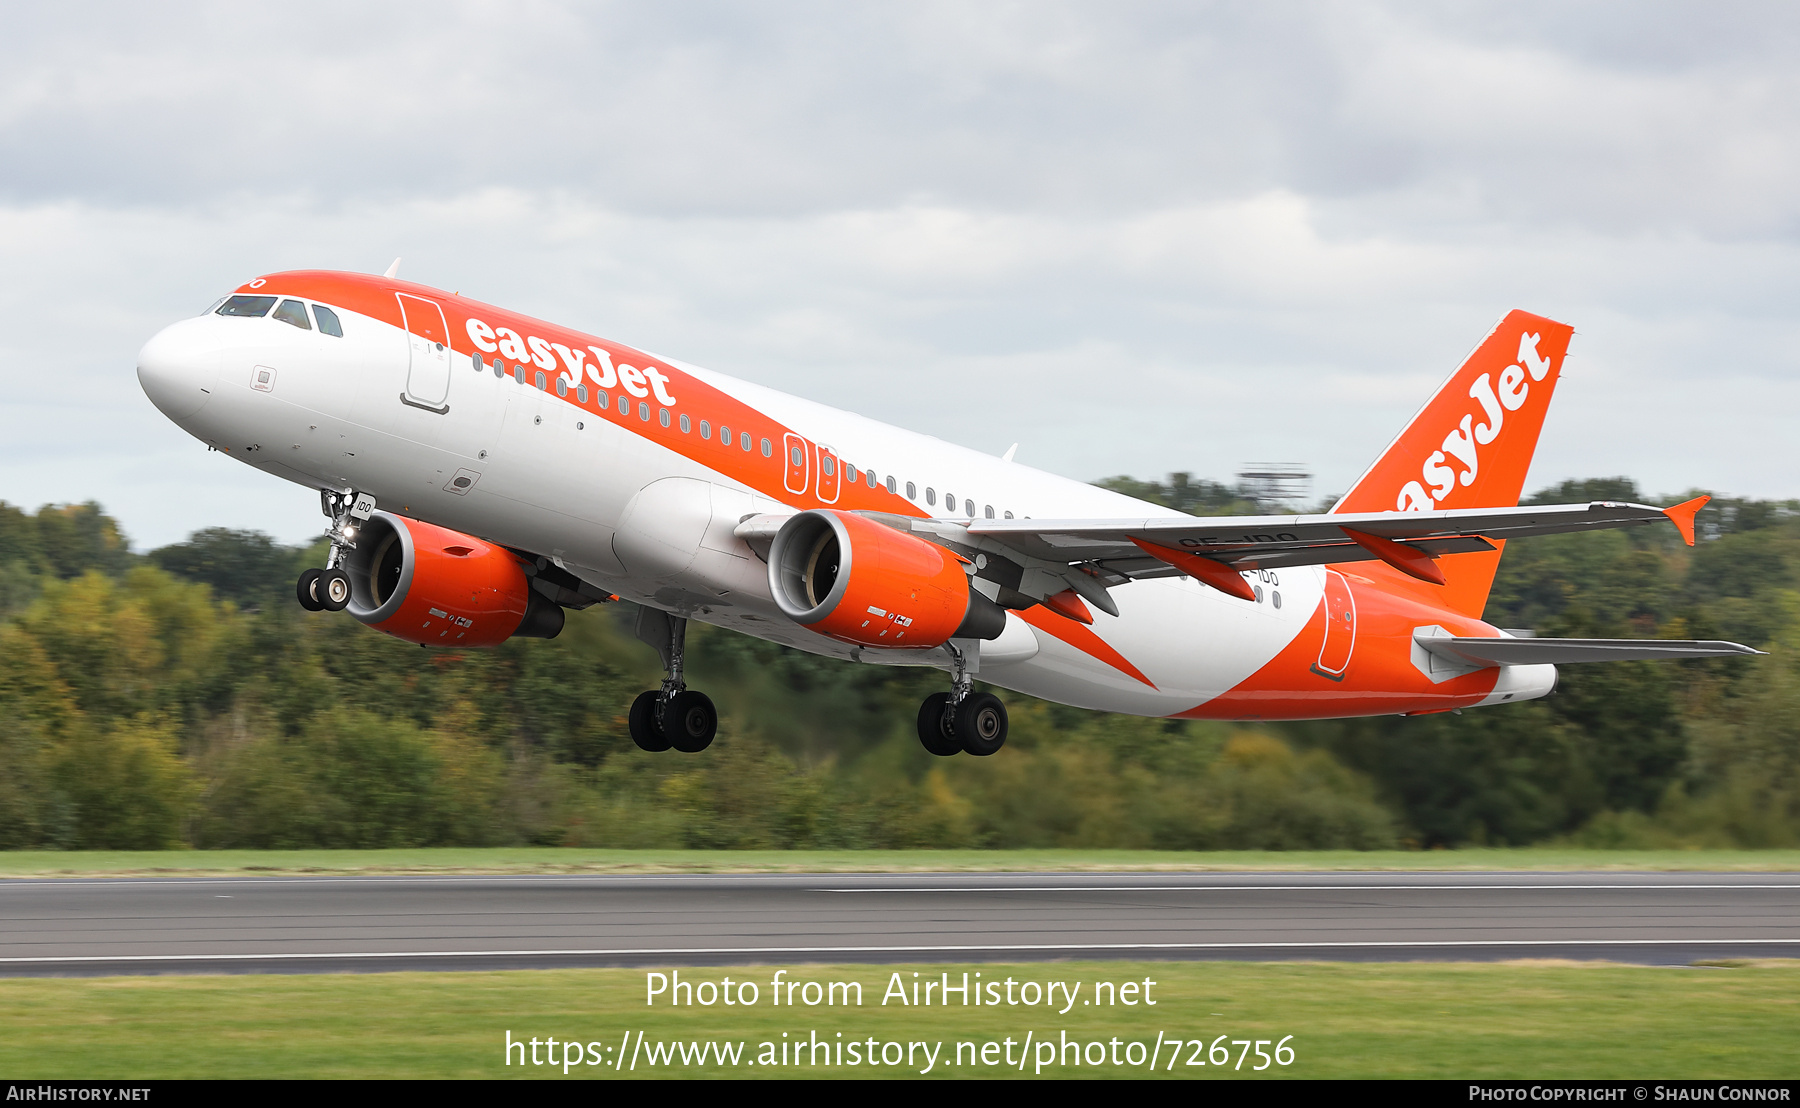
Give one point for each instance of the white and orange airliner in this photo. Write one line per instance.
(523, 468)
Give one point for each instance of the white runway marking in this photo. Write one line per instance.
(1281, 888)
(644, 952)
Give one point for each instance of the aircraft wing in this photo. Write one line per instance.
(1134, 548)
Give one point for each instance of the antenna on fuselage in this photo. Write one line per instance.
(393, 271)
(1010, 451)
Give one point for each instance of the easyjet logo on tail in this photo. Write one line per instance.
(1459, 458)
(511, 345)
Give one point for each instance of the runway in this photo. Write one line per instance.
(359, 924)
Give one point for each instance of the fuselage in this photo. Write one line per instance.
(633, 471)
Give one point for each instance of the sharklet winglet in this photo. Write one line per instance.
(1682, 516)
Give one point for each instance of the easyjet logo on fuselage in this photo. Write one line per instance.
(575, 364)
(1463, 443)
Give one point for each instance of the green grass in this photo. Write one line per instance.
(49, 863)
(1508, 1020)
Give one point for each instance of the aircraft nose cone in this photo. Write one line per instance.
(177, 366)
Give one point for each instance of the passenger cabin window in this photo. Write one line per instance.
(328, 324)
(930, 495)
(988, 511)
(686, 426)
(249, 307)
(562, 385)
(624, 404)
(768, 449)
(706, 429)
(581, 394)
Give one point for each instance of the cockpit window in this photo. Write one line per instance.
(294, 312)
(328, 321)
(214, 306)
(252, 307)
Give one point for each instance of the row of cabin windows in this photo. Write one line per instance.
(745, 441)
(293, 312)
(290, 312)
(663, 416)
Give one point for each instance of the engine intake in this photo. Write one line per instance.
(858, 581)
(438, 587)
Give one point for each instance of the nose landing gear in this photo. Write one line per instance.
(328, 589)
(323, 590)
(962, 720)
(674, 715)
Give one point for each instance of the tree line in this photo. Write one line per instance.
(181, 697)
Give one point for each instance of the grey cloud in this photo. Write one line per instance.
(1501, 111)
(1135, 237)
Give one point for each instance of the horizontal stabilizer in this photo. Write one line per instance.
(1527, 652)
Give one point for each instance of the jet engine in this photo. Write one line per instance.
(859, 581)
(438, 587)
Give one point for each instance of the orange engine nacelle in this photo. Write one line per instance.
(439, 587)
(858, 581)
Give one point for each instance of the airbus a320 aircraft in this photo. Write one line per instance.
(523, 468)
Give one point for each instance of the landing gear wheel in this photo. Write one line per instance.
(306, 590)
(646, 727)
(981, 724)
(334, 590)
(690, 721)
(932, 734)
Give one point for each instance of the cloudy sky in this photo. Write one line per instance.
(1134, 238)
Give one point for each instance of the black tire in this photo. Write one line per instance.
(932, 734)
(690, 721)
(981, 724)
(334, 590)
(646, 728)
(306, 590)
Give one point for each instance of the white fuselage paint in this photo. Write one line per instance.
(637, 519)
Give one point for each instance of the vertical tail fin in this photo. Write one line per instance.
(1471, 444)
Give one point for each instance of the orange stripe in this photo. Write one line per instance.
(373, 296)
(1083, 640)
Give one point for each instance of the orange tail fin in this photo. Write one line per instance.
(1471, 445)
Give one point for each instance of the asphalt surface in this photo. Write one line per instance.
(329, 924)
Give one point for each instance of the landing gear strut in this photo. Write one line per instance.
(961, 719)
(673, 715)
(328, 589)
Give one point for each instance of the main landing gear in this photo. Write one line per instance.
(328, 589)
(674, 715)
(961, 719)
